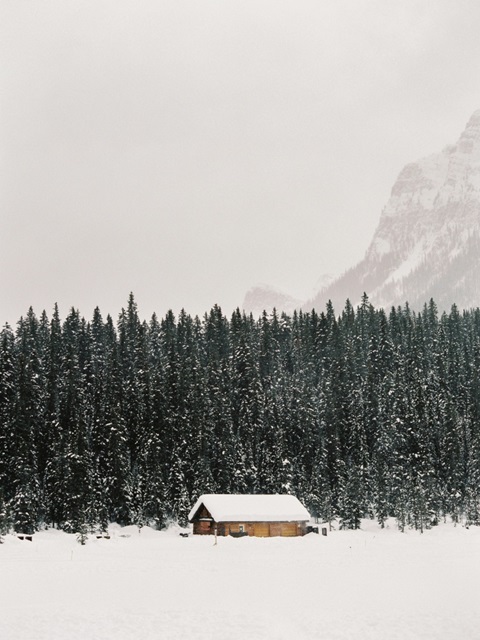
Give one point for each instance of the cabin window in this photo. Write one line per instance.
(241, 528)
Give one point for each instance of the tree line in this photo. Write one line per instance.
(361, 414)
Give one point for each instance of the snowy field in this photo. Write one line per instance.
(368, 584)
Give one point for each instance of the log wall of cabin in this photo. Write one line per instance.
(203, 527)
(264, 529)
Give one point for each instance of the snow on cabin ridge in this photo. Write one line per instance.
(252, 508)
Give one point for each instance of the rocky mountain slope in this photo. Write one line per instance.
(427, 243)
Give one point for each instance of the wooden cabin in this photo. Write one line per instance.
(253, 515)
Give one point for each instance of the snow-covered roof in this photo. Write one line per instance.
(252, 508)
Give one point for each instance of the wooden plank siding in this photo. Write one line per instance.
(275, 529)
(256, 529)
(203, 523)
(289, 529)
(203, 527)
(261, 529)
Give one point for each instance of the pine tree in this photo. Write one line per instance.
(70, 477)
(8, 390)
(118, 472)
(132, 354)
(3, 517)
(179, 500)
(52, 429)
(25, 501)
(24, 506)
(218, 401)
(247, 402)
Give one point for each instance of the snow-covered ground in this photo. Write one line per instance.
(368, 584)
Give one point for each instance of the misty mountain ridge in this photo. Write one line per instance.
(264, 297)
(427, 243)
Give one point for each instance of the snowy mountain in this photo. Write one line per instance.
(427, 243)
(266, 298)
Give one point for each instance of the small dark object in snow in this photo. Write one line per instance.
(324, 531)
(183, 535)
(312, 529)
(23, 537)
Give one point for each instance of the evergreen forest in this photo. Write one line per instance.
(364, 413)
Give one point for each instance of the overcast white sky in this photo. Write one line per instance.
(186, 150)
